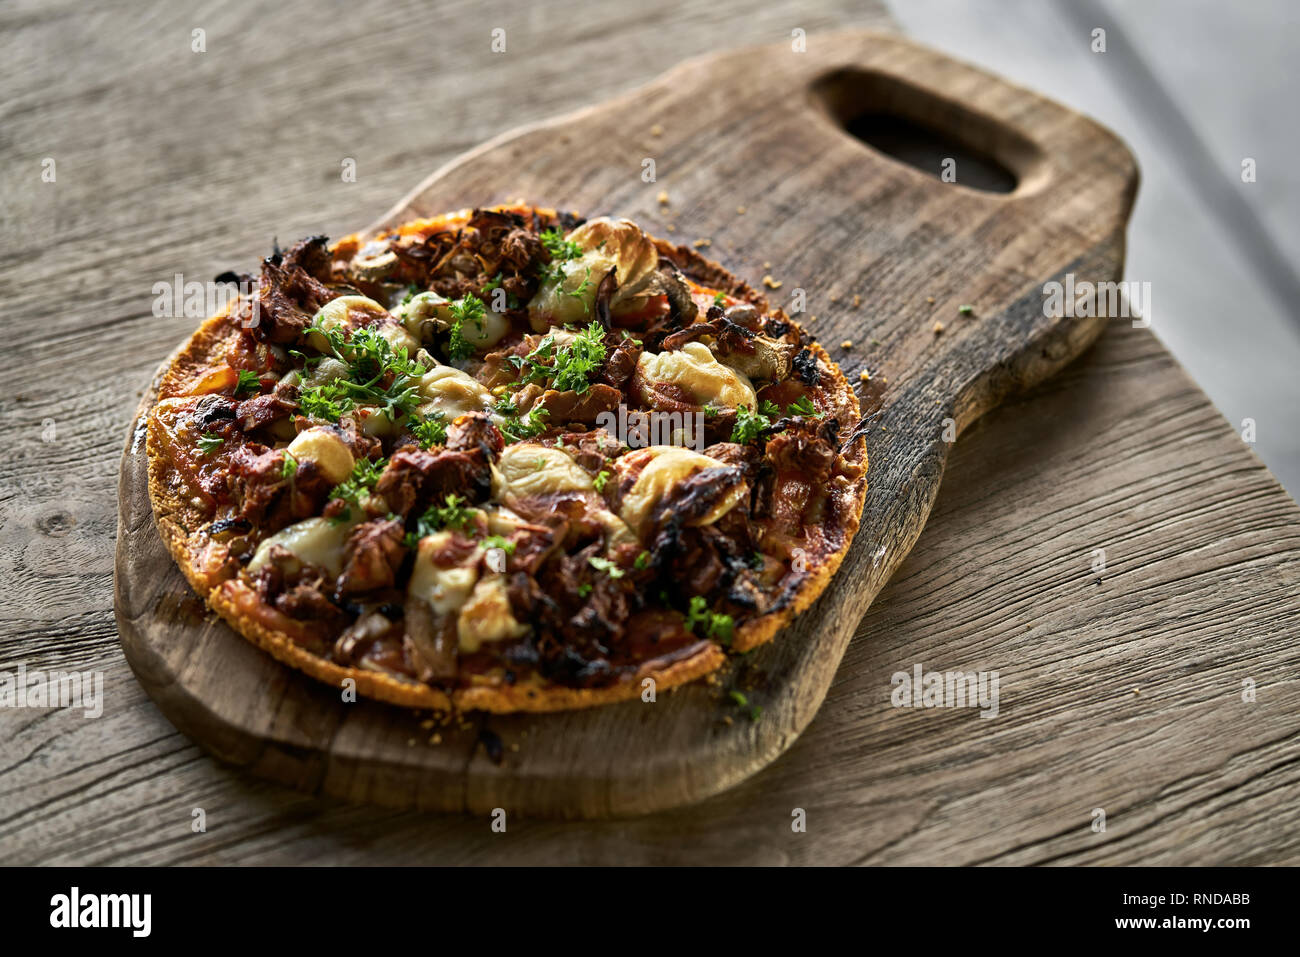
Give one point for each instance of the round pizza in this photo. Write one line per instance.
(504, 459)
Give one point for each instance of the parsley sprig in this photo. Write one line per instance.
(750, 424)
(431, 430)
(450, 514)
(248, 382)
(463, 310)
(378, 375)
(353, 489)
(568, 367)
(715, 624)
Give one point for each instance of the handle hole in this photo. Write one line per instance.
(926, 131)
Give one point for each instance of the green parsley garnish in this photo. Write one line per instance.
(377, 375)
(451, 514)
(364, 477)
(598, 483)
(515, 429)
(289, 468)
(431, 430)
(330, 402)
(605, 565)
(463, 310)
(561, 249)
(569, 367)
(719, 298)
(499, 541)
(584, 589)
(965, 310)
(749, 425)
(716, 625)
(741, 701)
(209, 443)
(642, 561)
(804, 406)
(248, 382)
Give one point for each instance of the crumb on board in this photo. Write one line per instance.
(702, 243)
(930, 300)
(656, 130)
(1137, 690)
(846, 344)
(864, 375)
(857, 301)
(771, 283)
(670, 227)
(938, 328)
(740, 210)
(662, 198)
(767, 265)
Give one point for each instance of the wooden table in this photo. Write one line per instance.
(1120, 690)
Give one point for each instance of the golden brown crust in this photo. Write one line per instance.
(179, 517)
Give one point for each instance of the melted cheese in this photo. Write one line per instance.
(445, 589)
(607, 245)
(527, 468)
(667, 466)
(487, 331)
(694, 368)
(398, 337)
(327, 449)
(487, 616)
(313, 541)
(453, 392)
(344, 313)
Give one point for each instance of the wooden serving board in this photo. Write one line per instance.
(885, 255)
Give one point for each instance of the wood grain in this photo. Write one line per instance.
(1122, 447)
(853, 226)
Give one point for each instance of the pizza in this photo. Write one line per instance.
(504, 459)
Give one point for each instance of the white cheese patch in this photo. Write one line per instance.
(313, 541)
(445, 589)
(453, 393)
(326, 448)
(487, 616)
(527, 468)
(667, 466)
(698, 371)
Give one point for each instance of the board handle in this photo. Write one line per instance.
(1014, 142)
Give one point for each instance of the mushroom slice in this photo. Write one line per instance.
(373, 262)
(768, 362)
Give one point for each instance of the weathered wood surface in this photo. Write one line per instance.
(867, 239)
(1122, 451)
